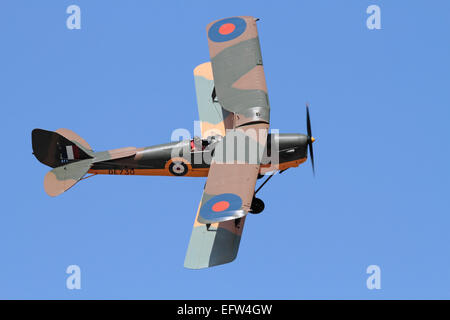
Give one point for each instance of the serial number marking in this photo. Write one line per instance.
(123, 171)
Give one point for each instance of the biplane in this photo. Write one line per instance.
(235, 148)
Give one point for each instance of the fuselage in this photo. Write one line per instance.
(192, 158)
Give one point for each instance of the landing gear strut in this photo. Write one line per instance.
(257, 204)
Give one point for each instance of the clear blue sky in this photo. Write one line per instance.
(380, 107)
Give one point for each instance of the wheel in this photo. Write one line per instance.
(178, 168)
(257, 206)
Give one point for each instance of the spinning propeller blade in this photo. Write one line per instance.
(310, 137)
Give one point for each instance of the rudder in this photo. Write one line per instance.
(59, 148)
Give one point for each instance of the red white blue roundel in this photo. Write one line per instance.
(222, 207)
(227, 29)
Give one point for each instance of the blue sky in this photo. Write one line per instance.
(380, 106)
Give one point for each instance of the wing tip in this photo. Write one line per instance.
(200, 266)
(204, 70)
(54, 187)
(211, 248)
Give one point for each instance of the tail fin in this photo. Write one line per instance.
(58, 148)
(66, 152)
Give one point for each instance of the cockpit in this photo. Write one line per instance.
(199, 144)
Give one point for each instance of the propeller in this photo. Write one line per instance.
(310, 137)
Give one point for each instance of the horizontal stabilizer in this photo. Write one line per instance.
(62, 178)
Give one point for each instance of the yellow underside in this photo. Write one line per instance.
(192, 172)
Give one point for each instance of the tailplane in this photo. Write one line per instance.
(63, 178)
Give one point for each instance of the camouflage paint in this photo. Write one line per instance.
(211, 114)
(62, 178)
(239, 74)
(214, 244)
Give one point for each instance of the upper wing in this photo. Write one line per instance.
(238, 82)
(238, 70)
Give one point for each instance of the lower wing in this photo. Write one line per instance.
(215, 244)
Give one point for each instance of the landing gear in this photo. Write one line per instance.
(257, 206)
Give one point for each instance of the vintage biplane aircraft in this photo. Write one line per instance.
(234, 151)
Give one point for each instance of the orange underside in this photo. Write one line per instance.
(199, 172)
(192, 172)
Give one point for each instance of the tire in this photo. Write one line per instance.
(178, 168)
(257, 206)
